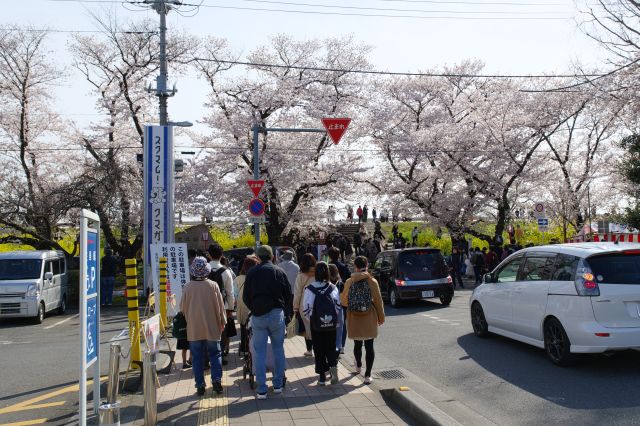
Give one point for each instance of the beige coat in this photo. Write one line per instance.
(242, 311)
(363, 326)
(203, 309)
(302, 281)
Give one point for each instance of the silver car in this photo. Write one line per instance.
(32, 283)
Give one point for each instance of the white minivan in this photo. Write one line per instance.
(32, 283)
(565, 298)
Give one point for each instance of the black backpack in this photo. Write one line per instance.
(179, 326)
(359, 297)
(216, 276)
(325, 312)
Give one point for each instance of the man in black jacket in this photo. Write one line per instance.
(268, 296)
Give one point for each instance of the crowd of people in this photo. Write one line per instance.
(324, 302)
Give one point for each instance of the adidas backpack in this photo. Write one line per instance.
(324, 316)
(359, 297)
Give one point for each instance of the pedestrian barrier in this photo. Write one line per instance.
(109, 413)
(133, 314)
(163, 291)
(149, 389)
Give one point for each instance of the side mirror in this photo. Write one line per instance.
(488, 278)
(48, 276)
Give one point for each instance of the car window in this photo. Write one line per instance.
(48, 267)
(538, 268)
(20, 269)
(566, 266)
(618, 268)
(509, 272)
(425, 264)
(378, 263)
(56, 267)
(63, 265)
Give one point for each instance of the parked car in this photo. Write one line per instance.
(413, 274)
(568, 299)
(32, 283)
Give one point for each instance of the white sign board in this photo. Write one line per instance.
(538, 211)
(151, 328)
(257, 219)
(177, 273)
(158, 190)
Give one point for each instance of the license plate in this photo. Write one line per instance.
(428, 293)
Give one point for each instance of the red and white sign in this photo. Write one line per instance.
(336, 127)
(256, 186)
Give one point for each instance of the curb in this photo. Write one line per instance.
(421, 410)
(410, 402)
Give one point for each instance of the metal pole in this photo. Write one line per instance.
(589, 208)
(150, 402)
(161, 87)
(114, 373)
(256, 173)
(82, 398)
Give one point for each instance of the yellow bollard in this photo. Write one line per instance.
(163, 291)
(134, 313)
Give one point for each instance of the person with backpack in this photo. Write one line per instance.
(179, 331)
(322, 309)
(224, 278)
(365, 313)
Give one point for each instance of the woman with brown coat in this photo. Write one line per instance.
(365, 312)
(305, 277)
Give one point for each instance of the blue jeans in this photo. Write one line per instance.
(340, 330)
(270, 325)
(106, 289)
(197, 348)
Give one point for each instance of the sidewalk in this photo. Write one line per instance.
(303, 402)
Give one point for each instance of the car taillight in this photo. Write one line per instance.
(585, 281)
(399, 283)
(449, 280)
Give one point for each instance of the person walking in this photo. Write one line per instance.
(491, 259)
(304, 278)
(223, 276)
(359, 213)
(414, 236)
(289, 267)
(206, 318)
(322, 310)
(267, 294)
(457, 260)
(349, 213)
(242, 311)
(108, 270)
(365, 213)
(365, 313)
(341, 332)
(357, 242)
(374, 214)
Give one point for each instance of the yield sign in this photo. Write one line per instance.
(256, 186)
(336, 127)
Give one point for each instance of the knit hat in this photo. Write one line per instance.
(264, 251)
(200, 267)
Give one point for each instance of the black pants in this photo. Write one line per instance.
(369, 357)
(324, 350)
(309, 343)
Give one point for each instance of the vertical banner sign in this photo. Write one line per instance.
(177, 273)
(158, 191)
(89, 309)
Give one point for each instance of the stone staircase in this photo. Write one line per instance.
(350, 229)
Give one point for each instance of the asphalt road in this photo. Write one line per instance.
(40, 366)
(508, 382)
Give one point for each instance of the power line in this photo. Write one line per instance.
(54, 30)
(377, 15)
(407, 74)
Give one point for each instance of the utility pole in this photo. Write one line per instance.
(163, 7)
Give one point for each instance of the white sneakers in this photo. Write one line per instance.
(368, 380)
(308, 353)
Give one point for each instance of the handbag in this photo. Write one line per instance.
(292, 328)
(230, 327)
(301, 330)
(179, 326)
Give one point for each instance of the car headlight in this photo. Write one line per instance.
(32, 290)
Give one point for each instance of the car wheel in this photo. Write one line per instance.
(393, 298)
(478, 320)
(63, 305)
(40, 315)
(446, 298)
(556, 343)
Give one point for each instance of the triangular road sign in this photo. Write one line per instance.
(336, 127)
(256, 186)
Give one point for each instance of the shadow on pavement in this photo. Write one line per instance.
(594, 382)
(410, 307)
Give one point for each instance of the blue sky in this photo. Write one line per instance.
(506, 45)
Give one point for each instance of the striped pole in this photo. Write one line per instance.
(163, 290)
(134, 313)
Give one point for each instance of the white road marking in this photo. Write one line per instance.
(61, 322)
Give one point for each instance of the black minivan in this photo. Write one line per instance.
(412, 274)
